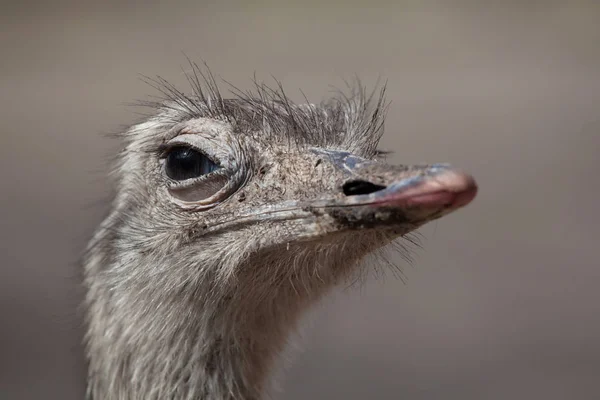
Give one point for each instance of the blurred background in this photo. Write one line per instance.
(502, 302)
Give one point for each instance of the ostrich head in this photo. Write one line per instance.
(231, 217)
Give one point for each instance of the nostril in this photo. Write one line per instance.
(358, 187)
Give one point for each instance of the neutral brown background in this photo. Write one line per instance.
(504, 299)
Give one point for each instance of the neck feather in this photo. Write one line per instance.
(192, 341)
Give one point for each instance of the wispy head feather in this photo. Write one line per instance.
(351, 119)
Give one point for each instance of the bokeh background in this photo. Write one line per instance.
(504, 299)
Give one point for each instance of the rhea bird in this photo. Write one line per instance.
(230, 218)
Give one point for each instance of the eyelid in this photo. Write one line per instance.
(191, 182)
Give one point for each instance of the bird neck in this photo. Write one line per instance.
(211, 342)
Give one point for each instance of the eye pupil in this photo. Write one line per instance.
(184, 163)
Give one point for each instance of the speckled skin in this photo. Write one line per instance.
(192, 292)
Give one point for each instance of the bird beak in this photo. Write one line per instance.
(376, 194)
(431, 187)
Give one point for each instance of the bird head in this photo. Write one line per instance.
(259, 190)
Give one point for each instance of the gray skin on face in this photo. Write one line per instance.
(193, 286)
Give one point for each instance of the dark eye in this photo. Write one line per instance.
(184, 163)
